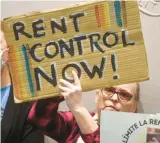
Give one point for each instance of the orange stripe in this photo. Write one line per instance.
(101, 15)
(97, 15)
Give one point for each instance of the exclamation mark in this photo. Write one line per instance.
(114, 65)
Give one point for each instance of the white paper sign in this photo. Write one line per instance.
(120, 127)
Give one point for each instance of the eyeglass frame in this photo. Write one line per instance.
(117, 92)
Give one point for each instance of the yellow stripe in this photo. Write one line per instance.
(107, 15)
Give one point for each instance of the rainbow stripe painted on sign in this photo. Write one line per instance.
(103, 14)
(18, 82)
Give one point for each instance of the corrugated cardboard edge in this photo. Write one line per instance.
(16, 100)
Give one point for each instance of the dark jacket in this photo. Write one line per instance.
(14, 126)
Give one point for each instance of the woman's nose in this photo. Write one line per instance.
(115, 97)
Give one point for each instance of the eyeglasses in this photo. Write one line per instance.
(123, 95)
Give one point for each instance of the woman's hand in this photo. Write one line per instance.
(73, 96)
(72, 93)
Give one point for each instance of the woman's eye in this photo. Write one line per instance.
(124, 95)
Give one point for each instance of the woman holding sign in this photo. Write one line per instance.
(78, 124)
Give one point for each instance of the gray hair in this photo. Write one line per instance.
(138, 91)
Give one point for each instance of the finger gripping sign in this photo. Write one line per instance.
(102, 41)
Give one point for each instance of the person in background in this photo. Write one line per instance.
(79, 125)
(14, 126)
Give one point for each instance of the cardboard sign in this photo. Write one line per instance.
(129, 128)
(102, 41)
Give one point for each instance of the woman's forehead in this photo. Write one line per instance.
(131, 87)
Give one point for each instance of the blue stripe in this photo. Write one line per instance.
(28, 70)
(118, 13)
